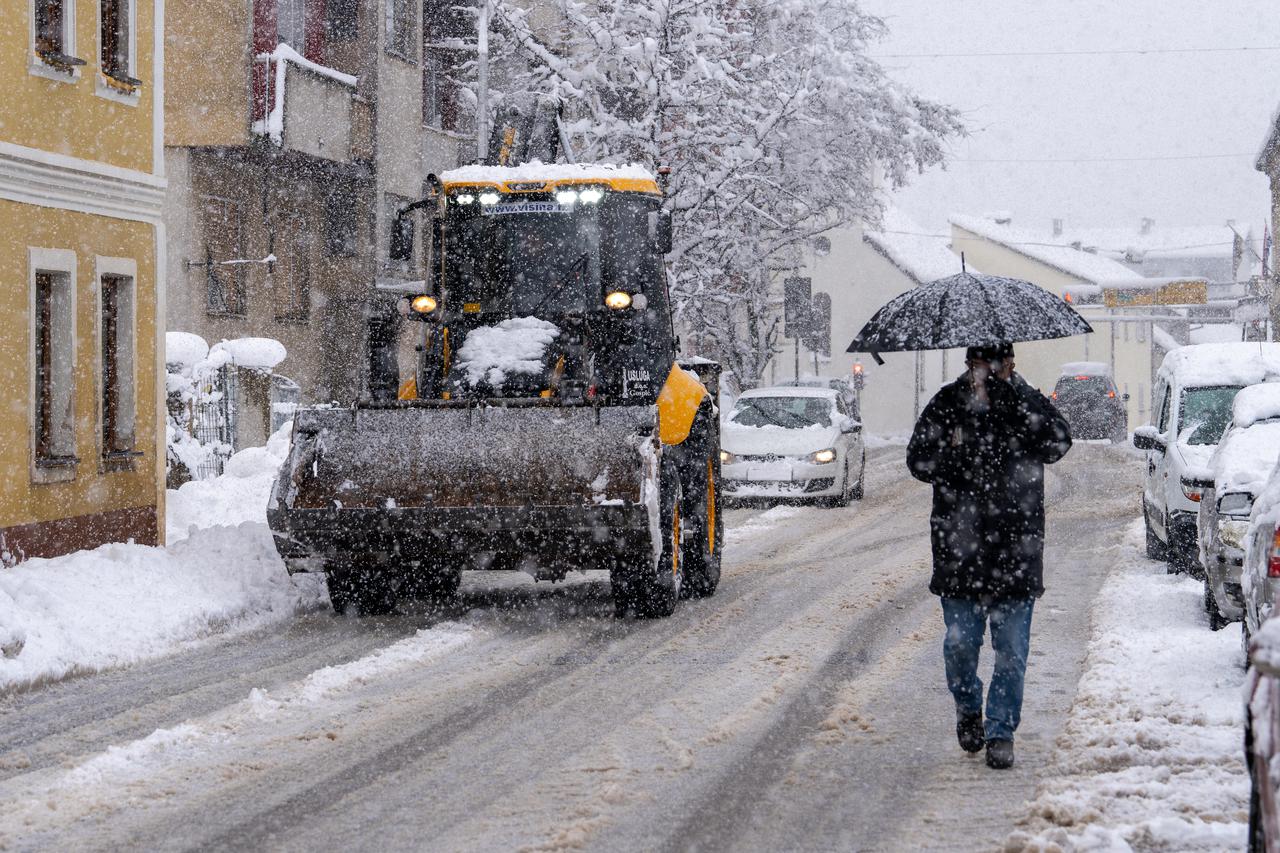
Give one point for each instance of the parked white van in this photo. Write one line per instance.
(1194, 390)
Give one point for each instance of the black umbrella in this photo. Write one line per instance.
(968, 310)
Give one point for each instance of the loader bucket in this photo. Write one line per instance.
(417, 483)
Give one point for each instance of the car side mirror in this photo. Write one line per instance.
(851, 426)
(1146, 438)
(660, 231)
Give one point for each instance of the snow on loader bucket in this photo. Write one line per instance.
(545, 424)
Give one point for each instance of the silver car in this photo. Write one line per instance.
(1260, 576)
(1229, 485)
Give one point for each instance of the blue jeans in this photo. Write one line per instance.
(1010, 638)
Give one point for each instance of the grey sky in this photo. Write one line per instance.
(1153, 105)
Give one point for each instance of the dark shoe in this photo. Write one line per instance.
(1000, 754)
(969, 732)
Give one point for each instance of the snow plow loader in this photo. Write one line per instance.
(545, 425)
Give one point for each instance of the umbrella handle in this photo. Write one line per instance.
(879, 360)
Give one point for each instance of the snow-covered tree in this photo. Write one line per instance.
(771, 115)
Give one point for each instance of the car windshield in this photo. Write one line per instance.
(1205, 412)
(1083, 386)
(788, 412)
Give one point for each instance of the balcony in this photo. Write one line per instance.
(305, 107)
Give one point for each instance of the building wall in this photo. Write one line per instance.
(76, 117)
(80, 183)
(207, 95)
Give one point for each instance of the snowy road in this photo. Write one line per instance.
(801, 708)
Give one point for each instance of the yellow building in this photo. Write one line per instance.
(82, 261)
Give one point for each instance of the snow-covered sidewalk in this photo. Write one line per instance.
(119, 604)
(1151, 757)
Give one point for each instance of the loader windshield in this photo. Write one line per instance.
(530, 255)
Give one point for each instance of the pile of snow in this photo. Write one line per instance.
(238, 495)
(492, 353)
(1151, 757)
(119, 604)
(1256, 403)
(184, 349)
(251, 353)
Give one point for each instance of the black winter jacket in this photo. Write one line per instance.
(986, 466)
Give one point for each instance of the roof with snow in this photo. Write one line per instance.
(1237, 363)
(924, 257)
(537, 172)
(1091, 267)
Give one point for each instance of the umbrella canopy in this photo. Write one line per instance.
(967, 310)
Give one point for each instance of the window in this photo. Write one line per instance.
(53, 361)
(340, 218)
(54, 32)
(118, 343)
(116, 42)
(342, 20)
(223, 222)
(401, 21)
(1140, 332)
(293, 272)
(1165, 404)
(448, 38)
(291, 23)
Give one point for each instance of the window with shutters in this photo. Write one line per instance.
(115, 44)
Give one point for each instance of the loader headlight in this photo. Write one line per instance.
(618, 299)
(591, 195)
(464, 198)
(568, 198)
(490, 198)
(822, 457)
(423, 304)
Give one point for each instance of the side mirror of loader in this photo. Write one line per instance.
(660, 235)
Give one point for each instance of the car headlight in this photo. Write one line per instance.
(1236, 503)
(1193, 491)
(822, 457)
(726, 457)
(1232, 533)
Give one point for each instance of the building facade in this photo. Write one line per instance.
(1269, 164)
(297, 130)
(81, 193)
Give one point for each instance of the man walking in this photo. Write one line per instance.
(982, 442)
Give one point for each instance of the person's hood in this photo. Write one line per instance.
(780, 441)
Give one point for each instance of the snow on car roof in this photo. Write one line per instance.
(1245, 457)
(1237, 363)
(1256, 403)
(1086, 368)
(537, 171)
(789, 391)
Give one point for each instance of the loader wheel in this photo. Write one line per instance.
(651, 587)
(360, 591)
(704, 532)
(438, 587)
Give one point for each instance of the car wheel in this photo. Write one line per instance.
(652, 587)
(1156, 550)
(360, 591)
(1176, 562)
(856, 493)
(1257, 829)
(1216, 620)
(1245, 638)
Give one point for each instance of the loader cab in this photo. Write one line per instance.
(583, 255)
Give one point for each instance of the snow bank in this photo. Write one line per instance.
(240, 494)
(252, 353)
(492, 353)
(1151, 756)
(120, 604)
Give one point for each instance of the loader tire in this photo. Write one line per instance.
(437, 588)
(360, 592)
(704, 530)
(652, 587)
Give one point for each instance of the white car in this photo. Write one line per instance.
(792, 443)
(1260, 577)
(1236, 474)
(1194, 390)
